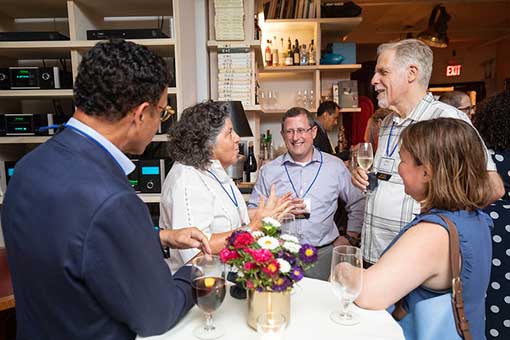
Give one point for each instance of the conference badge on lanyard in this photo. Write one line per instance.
(386, 163)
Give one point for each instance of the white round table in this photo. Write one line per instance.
(310, 309)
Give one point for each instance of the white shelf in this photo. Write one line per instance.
(351, 109)
(342, 25)
(233, 43)
(150, 198)
(311, 68)
(36, 93)
(252, 108)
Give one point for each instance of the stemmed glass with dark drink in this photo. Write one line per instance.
(208, 276)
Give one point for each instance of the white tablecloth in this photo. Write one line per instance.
(310, 310)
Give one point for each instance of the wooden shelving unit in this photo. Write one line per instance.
(73, 18)
(311, 68)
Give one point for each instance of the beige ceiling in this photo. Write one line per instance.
(473, 22)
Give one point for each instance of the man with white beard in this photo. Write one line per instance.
(401, 80)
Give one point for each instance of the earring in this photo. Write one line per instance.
(141, 118)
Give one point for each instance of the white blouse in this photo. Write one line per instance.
(193, 197)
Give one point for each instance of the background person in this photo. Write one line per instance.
(327, 118)
(443, 166)
(459, 100)
(401, 81)
(85, 259)
(316, 180)
(198, 190)
(492, 120)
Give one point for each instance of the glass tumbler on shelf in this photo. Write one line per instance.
(208, 277)
(346, 281)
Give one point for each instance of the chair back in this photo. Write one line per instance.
(6, 292)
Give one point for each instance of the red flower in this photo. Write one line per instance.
(260, 255)
(271, 268)
(242, 240)
(249, 266)
(226, 255)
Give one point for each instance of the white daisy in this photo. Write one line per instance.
(288, 237)
(271, 221)
(284, 265)
(257, 234)
(291, 246)
(268, 242)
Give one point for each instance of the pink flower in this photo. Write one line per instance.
(249, 284)
(226, 255)
(260, 255)
(242, 240)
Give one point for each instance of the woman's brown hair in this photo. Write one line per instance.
(452, 150)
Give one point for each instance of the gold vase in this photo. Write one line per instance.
(265, 302)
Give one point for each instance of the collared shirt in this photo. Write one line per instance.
(193, 197)
(333, 181)
(122, 160)
(388, 208)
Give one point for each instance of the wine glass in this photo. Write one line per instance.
(346, 280)
(208, 276)
(289, 226)
(365, 158)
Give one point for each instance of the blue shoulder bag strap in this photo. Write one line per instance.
(461, 322)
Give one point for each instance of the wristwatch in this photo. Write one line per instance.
(354, 241)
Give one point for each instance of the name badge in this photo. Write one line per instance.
(385, 168)
(386, 165)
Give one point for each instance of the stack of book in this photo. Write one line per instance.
(229, 19)
(235, 77)
(289, 9)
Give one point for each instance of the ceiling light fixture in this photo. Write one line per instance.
(435, 34)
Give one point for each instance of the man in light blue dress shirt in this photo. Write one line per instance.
(316, 180)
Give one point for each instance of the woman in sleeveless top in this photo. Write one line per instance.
(442, 166)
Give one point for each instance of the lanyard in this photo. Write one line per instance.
(311, 184)
(388, 153)
(233, 197)
(95, 141)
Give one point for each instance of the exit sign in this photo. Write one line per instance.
(453, 70)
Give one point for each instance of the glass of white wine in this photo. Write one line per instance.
(365, 156)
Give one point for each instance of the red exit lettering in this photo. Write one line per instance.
(453, 70)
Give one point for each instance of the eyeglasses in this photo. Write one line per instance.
(166, 112)
(299, 131)
(468, 108)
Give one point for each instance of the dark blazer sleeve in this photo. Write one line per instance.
(124, 268)
(321, 141)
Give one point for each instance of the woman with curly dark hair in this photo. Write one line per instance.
(492, 120)
(197, 190)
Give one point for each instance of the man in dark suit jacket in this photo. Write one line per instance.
(327, 117)
(85, 259)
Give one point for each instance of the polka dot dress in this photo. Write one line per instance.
(497, 305)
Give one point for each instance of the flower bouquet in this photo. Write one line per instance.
(267, 260)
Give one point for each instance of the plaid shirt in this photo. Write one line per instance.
(388, 209)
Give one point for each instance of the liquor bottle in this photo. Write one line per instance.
(262, 148)
(296, 54)
(289, 59)
(281, 53)
(250, 166)
(274, 52)
(268, 54)
(311, 54)
(303, 56)
(269, 145)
